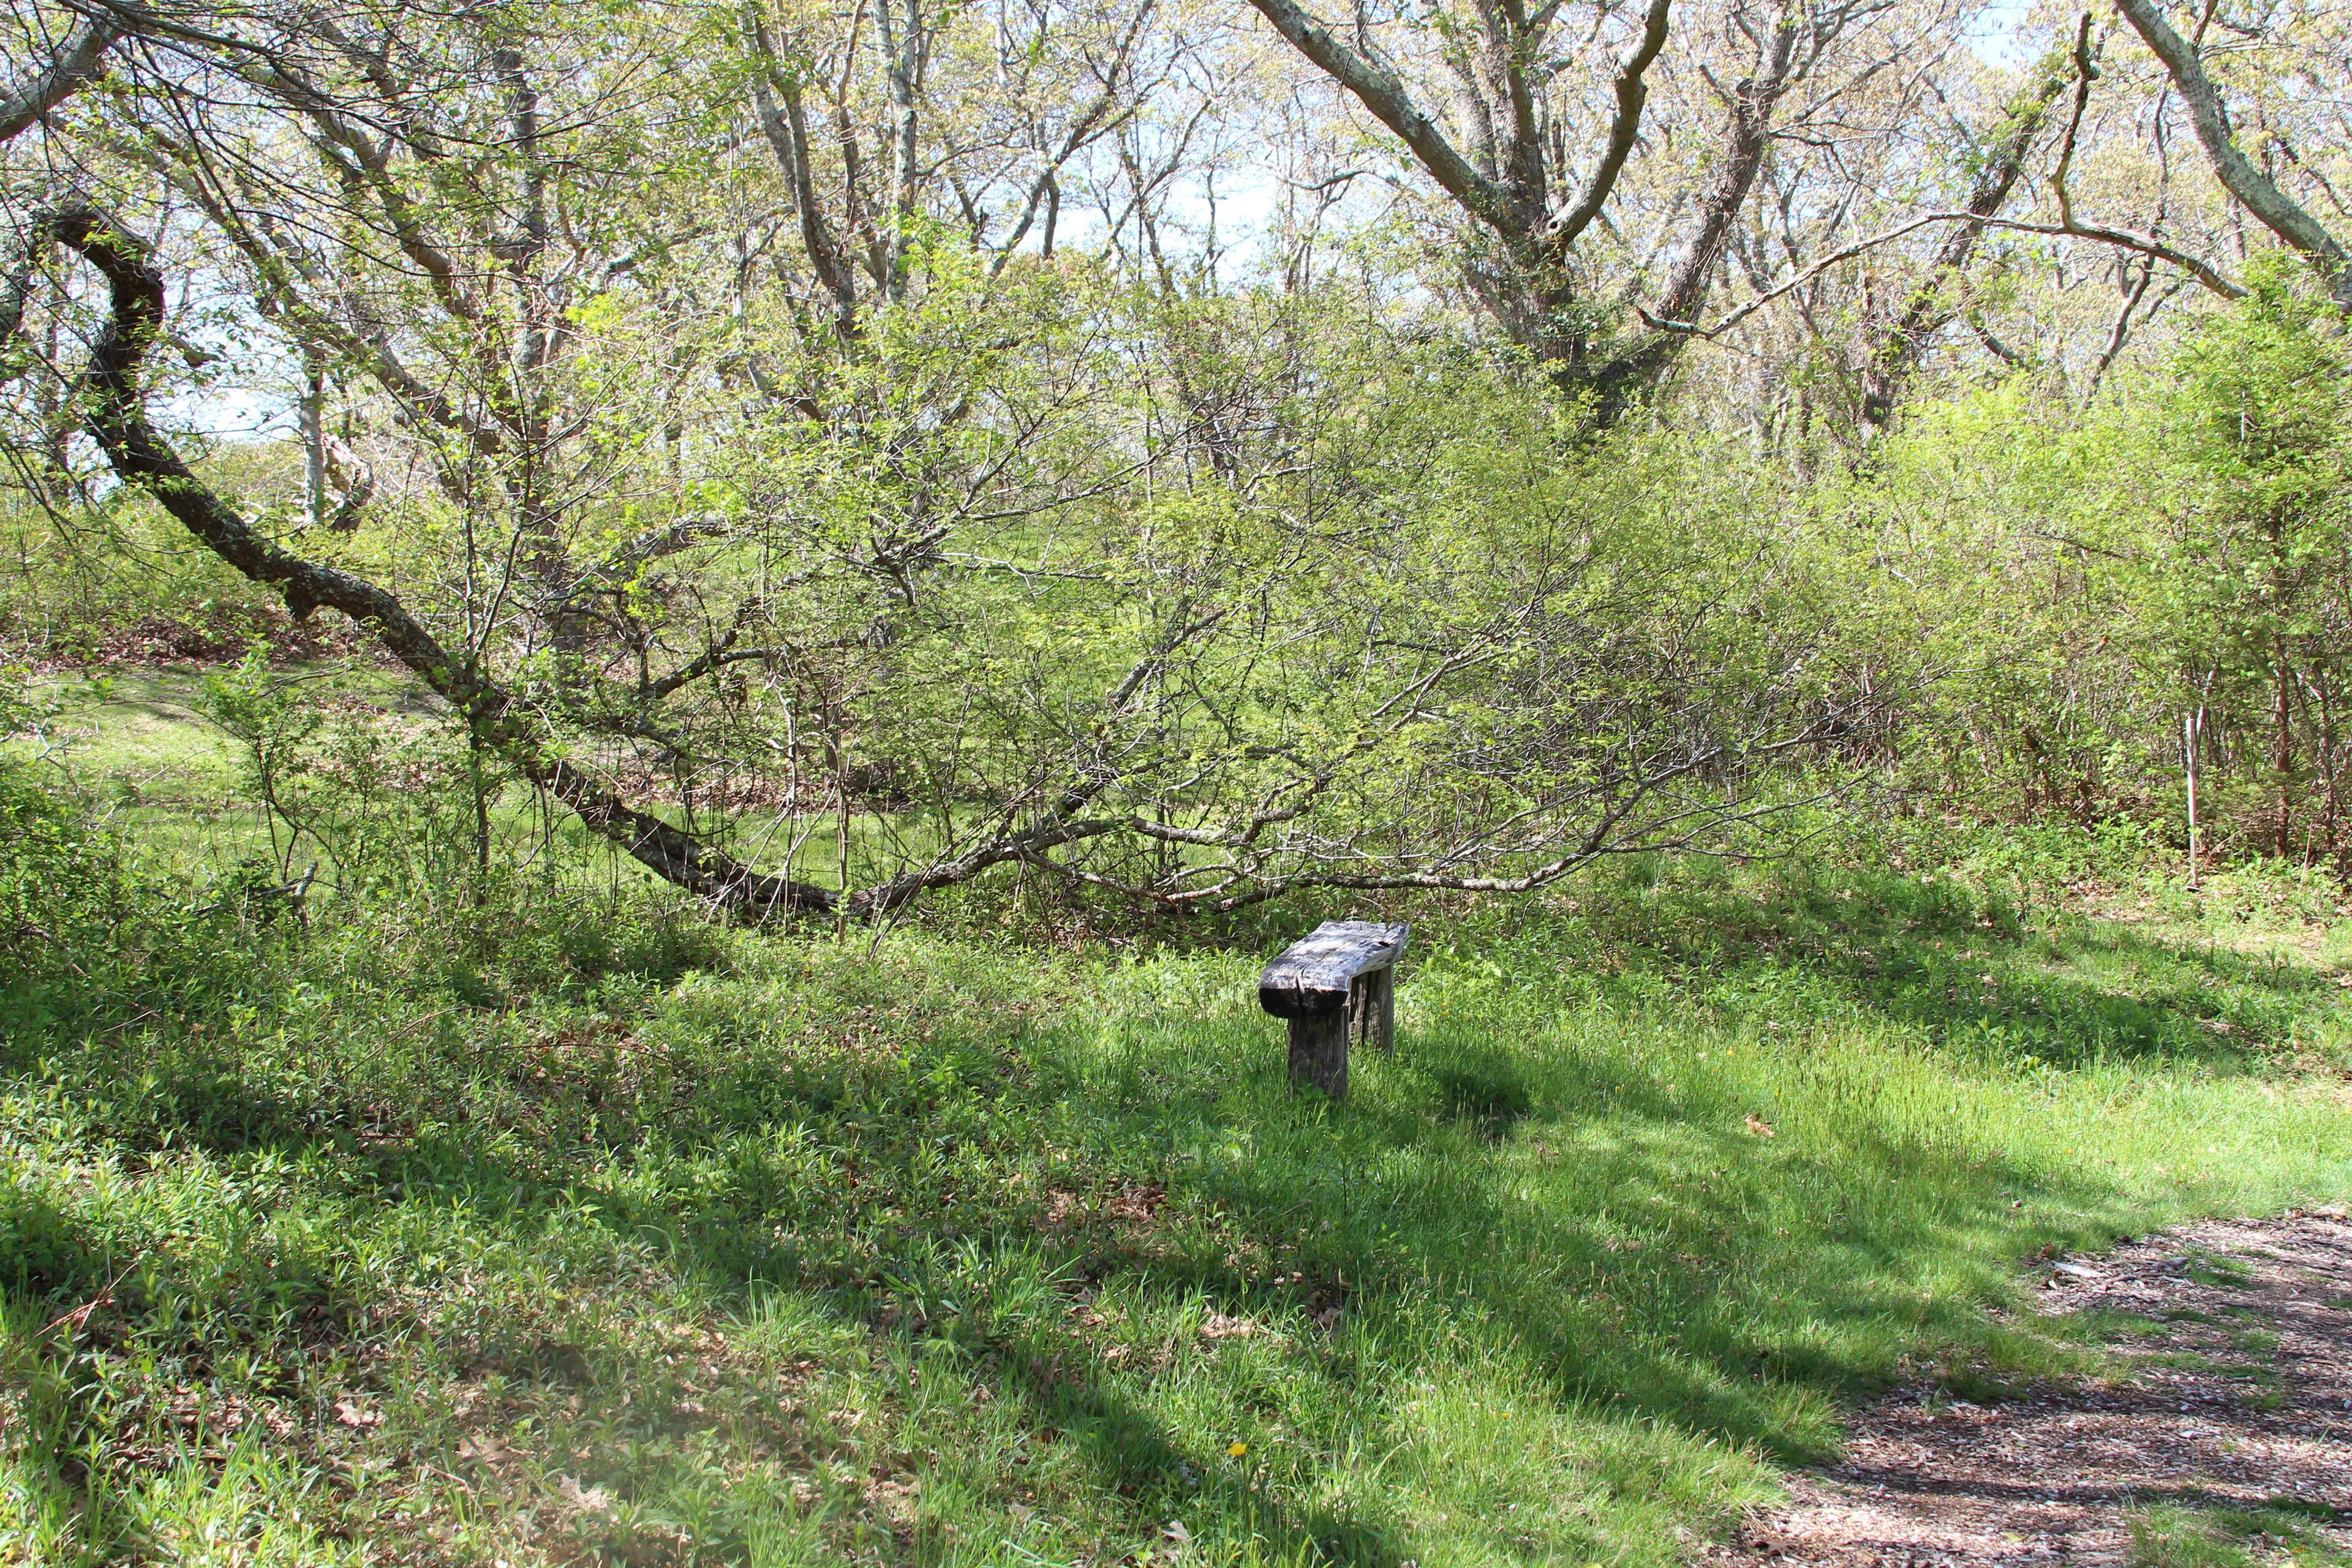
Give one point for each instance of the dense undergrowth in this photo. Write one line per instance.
(564, 1226)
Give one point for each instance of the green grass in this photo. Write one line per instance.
(566, 1228)
(143, 747)
(135, 743)
(2183, 1535)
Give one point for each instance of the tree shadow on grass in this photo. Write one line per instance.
(1131, 1451)
(1558, 1205)
(1959, 970)
(1653, 1257)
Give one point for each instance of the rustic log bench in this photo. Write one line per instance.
(1336, 983)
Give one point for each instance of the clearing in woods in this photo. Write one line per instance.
(2226, 1439)
(563, 1227)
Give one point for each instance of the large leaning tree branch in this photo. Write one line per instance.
(72, 64)
(1933, 304)
(2257, 192)
(1392, 104)
(115, 413)
(1513, 196)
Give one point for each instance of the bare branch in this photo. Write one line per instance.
(1633, 92)
(2145, 245)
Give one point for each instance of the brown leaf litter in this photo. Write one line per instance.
(2236, 1392)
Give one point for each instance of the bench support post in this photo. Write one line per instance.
(1372, 1010)
(1319, 1052)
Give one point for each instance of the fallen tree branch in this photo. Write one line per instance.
(116, 416)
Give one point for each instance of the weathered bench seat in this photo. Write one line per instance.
(1336, 983)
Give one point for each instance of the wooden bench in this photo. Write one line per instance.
(1334, 984)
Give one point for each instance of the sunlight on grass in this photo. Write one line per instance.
(576, 1227)
(2180, 1535)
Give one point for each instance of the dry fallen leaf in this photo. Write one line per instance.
(484, 1449)
(1761, 1128)
(587, 1499)
(351, 1413)
(1218, 1326)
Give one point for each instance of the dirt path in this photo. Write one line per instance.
(2233, 1431)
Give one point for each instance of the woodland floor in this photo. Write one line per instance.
(2224, 1437)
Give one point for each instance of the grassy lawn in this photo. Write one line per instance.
(135, 743)
(572, 1230)
(144, 746)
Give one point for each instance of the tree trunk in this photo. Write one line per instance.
(2330, 757)
(1898, 351)
(2279, 212)
(73, 64)
(2285, 759)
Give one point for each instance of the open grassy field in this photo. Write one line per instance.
(568, 1228)
(147, 748)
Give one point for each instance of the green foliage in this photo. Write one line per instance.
(82, 584)
(2043, 592)
(270, 724)
(2256, 403)
(392, 802)
(70, 904)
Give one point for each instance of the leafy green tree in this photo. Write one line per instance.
(2256, 426)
